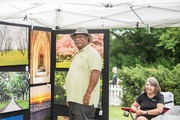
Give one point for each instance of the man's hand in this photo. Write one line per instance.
(67, 103)
(86, 98)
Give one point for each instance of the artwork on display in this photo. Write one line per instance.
(13, 45)
(17, 117)
(59, 88)
(40, 52)
(40, 102)
(14, 87)
(62, 118)
(66, 49)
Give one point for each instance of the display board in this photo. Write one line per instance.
(65, 49)
(40, 69)
(34, 62)
(14, 74)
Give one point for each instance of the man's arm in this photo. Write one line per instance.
(94, 78)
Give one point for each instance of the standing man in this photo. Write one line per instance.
(82, 80)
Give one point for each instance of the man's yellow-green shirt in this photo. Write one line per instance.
(78, 76)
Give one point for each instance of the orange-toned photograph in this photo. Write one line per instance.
(40, 102)
(40, 49)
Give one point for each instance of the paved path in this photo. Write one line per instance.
(11, 107)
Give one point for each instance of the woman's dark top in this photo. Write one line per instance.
(147, 103)
(114, 79)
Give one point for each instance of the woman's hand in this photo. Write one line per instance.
(141, 112)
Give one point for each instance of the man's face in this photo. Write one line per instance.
(81, 40)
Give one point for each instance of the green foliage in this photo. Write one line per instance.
(134, 81)
(23, 103)
(168, 41)
(14, 57)
(4, 104)
(59, 91)
(129, 47)
(139, 55)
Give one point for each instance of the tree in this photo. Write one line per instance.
(169, 39)
(129, 47)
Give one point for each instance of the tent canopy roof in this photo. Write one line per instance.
(92, 14)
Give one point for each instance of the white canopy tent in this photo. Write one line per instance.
(92, 14)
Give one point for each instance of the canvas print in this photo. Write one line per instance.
(66, 49)
(40, 49)
(63, 118)
(17, 117)
(40, 102)
(14, 91)
(13, 45)
(59, 88)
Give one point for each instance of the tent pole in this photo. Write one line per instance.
(20, 11)
(131, 7)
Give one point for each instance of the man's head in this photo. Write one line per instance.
(81, 37)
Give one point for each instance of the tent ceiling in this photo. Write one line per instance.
(92, 14)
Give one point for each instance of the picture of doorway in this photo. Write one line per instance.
(40, 56)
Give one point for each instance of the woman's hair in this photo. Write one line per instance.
(153, 81)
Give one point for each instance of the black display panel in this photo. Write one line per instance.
(63, 51)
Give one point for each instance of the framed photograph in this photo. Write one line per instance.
(59, 87)
(40, 52)
(40, 102)
(14, 43)
(14, 88)
(66, 49)
(17, 117)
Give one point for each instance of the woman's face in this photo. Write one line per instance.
(149, 88)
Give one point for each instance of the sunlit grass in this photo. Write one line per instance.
(13, 58)
(23, 103)
(64, 64)
(115, 113)
(2, 105)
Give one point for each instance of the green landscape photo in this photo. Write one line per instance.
(13, 45)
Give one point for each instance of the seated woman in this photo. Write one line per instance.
(150, 103)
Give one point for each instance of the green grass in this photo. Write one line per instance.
(64, 64)
(23, 103)
(2, 105)
(115, 113)
(13, 58)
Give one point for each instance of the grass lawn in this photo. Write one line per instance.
(23, 103)
(115, 113)
(13, 58)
